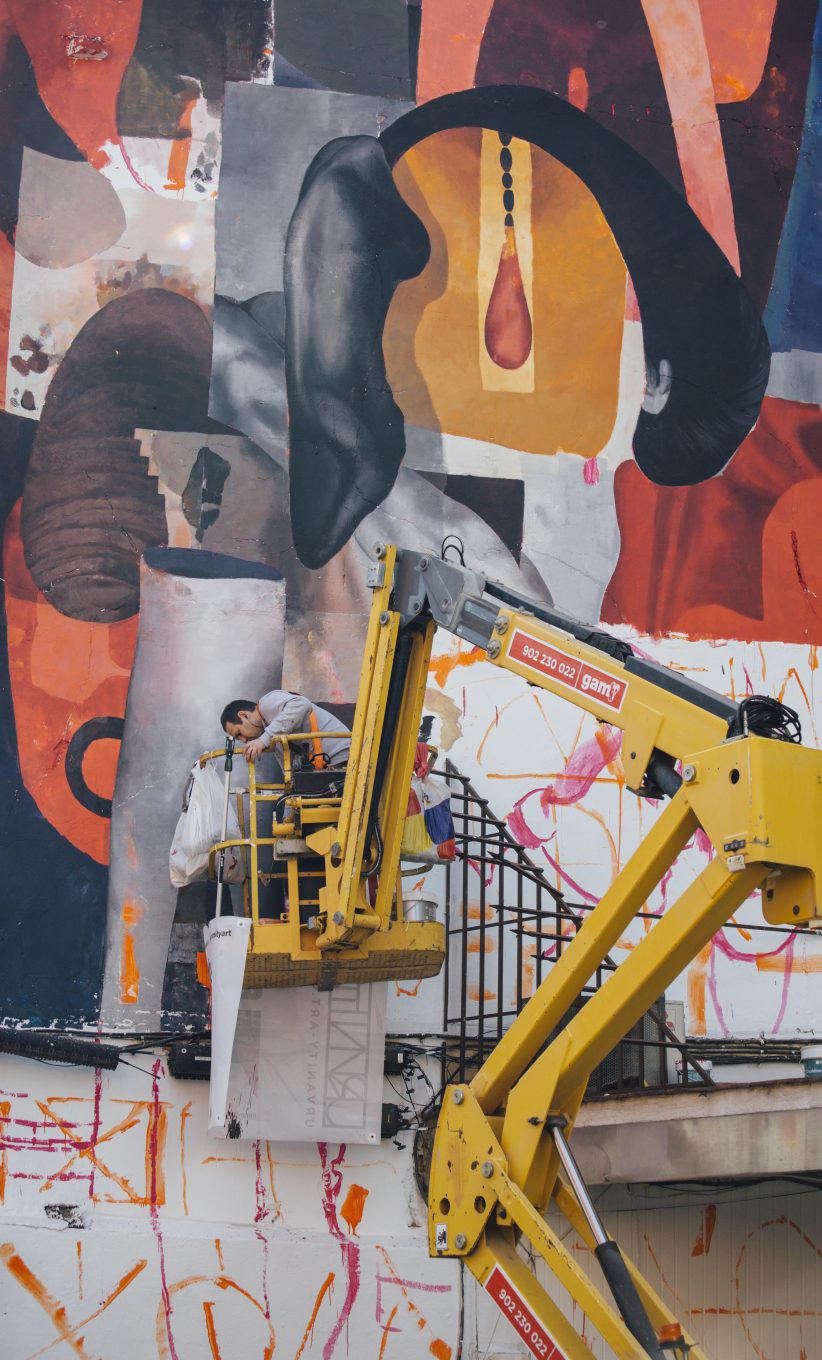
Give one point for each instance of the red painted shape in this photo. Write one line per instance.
(523, 1320)
(735, 556)
(508, 330)
(81, 95)
(567, 670)
(705, 1232)
(332, 1185)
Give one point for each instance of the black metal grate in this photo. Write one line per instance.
(506, 925)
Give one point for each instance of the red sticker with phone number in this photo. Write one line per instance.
(513, 1305)
(567, 670)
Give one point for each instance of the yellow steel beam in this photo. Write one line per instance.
(532, 1027)
(654, 1306)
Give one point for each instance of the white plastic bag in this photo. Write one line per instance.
(200, 826)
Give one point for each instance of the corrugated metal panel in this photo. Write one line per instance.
(742, 1268)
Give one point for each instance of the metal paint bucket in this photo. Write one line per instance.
(812, 1061)
(419, 908)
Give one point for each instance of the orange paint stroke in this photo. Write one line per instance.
(442, 1351)
(492, 726)
(185, 1114)
(278, 1208)
(309, 1330)
(79, 1247)
(474, 946)
(181, 147)
(129, 972)
(697, 979)
(155, 1149)
(409, 991)
(474, 994)
(792, 674)
(578, 88)
(450, 39)
(218, 1246)
(386, 1331)
(782, 963)
(222, 1282)
(442, 666)
(5, 1111)
(353, 1206)
(57, 1314)
(211, 1330)
(679, 42)
(203, 975)
(705, 1232)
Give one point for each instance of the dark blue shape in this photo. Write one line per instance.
(793, 317)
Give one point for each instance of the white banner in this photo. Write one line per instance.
(226, 946)
(307, 1066)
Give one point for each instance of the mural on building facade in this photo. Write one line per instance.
(545, 278)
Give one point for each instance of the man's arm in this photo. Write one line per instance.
(282, 713)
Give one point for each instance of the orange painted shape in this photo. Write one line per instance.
(211, 1330)
(442, 666)
(129, 971)
(791, 579)
(434, 342)
(737, 36)
(387, 1330)
(440, 1349)
(26, 1278)
(679, 42)
(203, 975)
(80, 94)
(450, 39)
(705, 1232)
(181, 148)
(309, 1330)
(63, 673)
(353, 1206)
(697, 978)
(508, 331)
(578, 88)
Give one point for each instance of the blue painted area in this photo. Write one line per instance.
(793, 317)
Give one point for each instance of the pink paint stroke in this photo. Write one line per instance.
(590, 471)
(350, 1249)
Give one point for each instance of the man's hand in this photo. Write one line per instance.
(253, 750)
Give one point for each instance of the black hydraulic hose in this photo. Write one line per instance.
(627, 1299)
(583, 632)
(51, 1046)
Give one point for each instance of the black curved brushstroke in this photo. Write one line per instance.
(96, 729)
(352, 239)
(347, 437)
(695, 312)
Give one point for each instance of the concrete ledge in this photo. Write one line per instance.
(760, 1129)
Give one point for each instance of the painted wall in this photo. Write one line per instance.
(272, 288)
(127, 1232)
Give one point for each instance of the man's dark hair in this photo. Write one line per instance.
(232, 711)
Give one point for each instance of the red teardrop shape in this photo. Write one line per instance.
(508, 331)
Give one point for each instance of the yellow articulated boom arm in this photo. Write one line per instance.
(502, 1151)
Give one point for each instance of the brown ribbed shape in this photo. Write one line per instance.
(90, 507)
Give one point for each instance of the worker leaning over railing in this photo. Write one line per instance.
(279, 713)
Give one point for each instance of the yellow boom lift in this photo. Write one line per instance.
(502, 1152)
